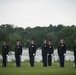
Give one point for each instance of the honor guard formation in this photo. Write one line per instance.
(47, 49)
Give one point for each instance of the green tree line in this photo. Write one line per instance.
(10, 33)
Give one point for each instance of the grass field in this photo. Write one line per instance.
(38, 69)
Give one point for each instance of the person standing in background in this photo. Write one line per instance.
(44, 52)
(5, 50)
(32, 51)
(50, 53)
(74, 49)
(18, 53)
(61, 52)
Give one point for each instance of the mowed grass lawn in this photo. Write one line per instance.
(38, 69)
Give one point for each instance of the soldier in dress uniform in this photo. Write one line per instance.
(74, 48)
(61, 52)
(32, 51)
(50, 53)
(18, 53)
(44, 52)
(5, 50)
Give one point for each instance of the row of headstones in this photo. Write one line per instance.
(25, 56)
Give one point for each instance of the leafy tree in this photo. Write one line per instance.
(10, 33)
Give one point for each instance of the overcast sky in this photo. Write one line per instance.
(31, 13)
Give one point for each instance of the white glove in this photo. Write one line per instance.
(20, 55)
(7, 55)
(33, 54)
(64, 54)
(47, 54)
(51, 54)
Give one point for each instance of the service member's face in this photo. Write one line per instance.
(49, 42)
(75, 41)
(32, 42)
(4, 43)
(44, 41)
(17, 42)
(62, 41)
